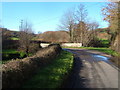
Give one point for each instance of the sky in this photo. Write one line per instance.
(45, 16)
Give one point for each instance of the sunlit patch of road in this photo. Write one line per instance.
(92, 69)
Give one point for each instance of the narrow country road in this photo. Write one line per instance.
(92, 69)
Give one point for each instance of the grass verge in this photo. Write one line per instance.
(116, 56)
(10, 51)
(9, 54)
(114, 59)
(14, 38)
(53, 74)
(104, 50)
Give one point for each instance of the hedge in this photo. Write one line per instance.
(10, 44)
(15, 72)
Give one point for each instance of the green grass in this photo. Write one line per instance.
(8, 57)
(105, 42)
(12, 51)
(34, 38)
(14, 38)
(53, 74)
(104, 50)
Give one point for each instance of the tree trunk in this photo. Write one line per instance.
(115, 45)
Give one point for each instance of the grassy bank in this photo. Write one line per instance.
(114, 59)
(9, 54)
(53, 74)
(10, 51)
(104, 50)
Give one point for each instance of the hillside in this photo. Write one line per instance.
(103, 33)
(63, 36)
(10, 34)
(54, 36)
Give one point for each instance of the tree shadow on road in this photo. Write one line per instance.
(74, 80)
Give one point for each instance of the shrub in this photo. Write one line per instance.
(34, 47)
(17, 71)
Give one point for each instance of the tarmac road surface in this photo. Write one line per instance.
(92, 69)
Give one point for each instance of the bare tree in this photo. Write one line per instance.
(85, 31)
(80, 21)
(91, 34)
(75, 21)
(67, 23)
(81, 13)
(25, 35)
(93, 26)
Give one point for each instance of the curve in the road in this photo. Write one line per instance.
(90, 71)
